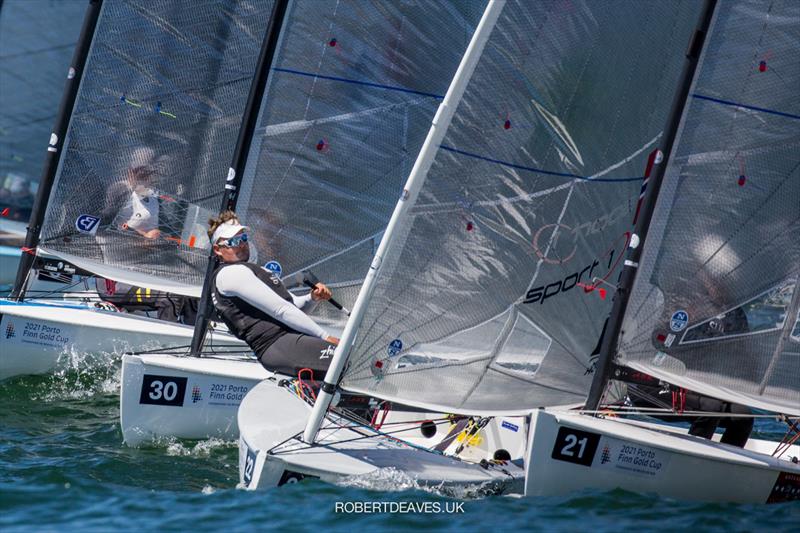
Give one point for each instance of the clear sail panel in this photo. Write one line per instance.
(152, 136)
(37, 38)
(715, 305)
(496, 293)
(349, 102)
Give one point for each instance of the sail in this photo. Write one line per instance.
(715, 304)
(350, 98)
(494, 294)
(151, 138)
(36, 42)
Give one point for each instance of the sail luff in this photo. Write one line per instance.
(56, 142)
(236, 170)
(611, 338)
(415, 181)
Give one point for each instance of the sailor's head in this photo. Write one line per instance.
(229, 238)
(142, 167)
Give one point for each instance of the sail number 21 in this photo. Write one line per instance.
(575, 446)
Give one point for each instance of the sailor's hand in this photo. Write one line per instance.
(152, 234)
(332, 340)
(320, 292)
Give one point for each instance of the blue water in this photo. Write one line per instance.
(63, 467)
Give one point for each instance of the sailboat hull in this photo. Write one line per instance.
(211, 390)
(271, 454)
(207, 393)
(572, 452)
(35, 336)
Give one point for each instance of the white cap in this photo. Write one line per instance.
(143, 157)
(227, 230)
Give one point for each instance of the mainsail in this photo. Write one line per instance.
(36, 42)
(493, 296)
(715, 304)
(350, 99)
(151, 138)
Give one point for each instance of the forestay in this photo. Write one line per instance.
(493, 296)
(36, 42)
(715, 304)
(350, 99)
(151, 138)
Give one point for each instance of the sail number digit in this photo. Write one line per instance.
(575, 446)
(162, 390)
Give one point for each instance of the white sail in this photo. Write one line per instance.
(492, 297)
(353, 89)
(151, 137)
(715, 304)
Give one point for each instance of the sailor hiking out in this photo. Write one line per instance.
(258, 308)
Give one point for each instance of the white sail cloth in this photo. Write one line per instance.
(491, 299)
(715, 304)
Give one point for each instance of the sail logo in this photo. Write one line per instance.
(544, 292)
(678, 321)
(10, 331)
(394, 347)
(274, 267)
(197, 395)
(87, 224)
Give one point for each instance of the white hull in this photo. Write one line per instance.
(34, 336)
(207, 394)
(270, 456)
(572, 452)
(209, 391)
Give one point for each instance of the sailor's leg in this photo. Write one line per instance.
(737, 430)
(703, 426)
(294, 351)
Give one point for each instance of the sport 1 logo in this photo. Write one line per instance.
(274, 267)
(87, 224)
(162, 390)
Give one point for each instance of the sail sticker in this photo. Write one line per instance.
(508, 425)
(628, 457)
(87, 224)
(394, 347)
(575, 446)
(274, 267)
(378, 367)
(679, 320)
(659, 358)
(664, 338)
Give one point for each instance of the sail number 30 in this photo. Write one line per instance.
(575, 446)
(163, 390)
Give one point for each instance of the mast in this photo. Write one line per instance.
(439, 126)
(74, 76)
(610, 340)
(236, 170)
